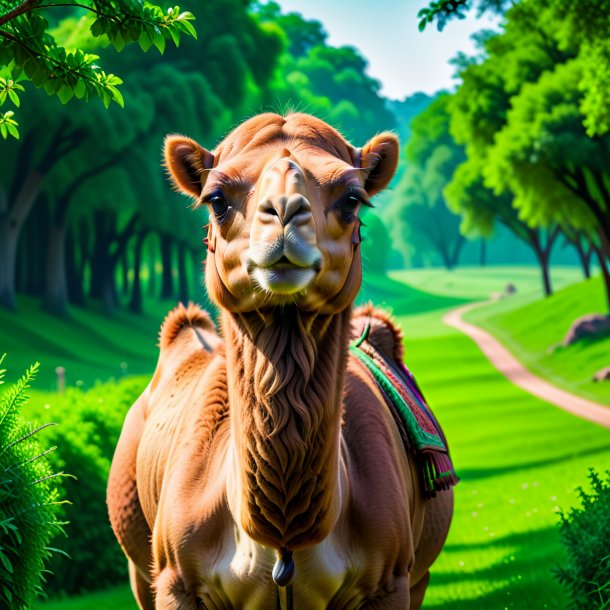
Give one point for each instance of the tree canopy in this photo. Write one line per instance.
(33, 50)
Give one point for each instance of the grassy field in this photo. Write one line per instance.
(520, 459)
(89, 345)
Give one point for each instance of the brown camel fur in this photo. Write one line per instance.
(270, 439)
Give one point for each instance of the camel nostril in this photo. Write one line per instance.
(267, 207)
(294, 205)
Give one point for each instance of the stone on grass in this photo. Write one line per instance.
(589, 326)
(602, 375)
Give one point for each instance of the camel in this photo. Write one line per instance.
(261, 467)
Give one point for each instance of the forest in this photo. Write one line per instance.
(503, 186)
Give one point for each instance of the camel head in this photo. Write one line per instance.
(284, 197)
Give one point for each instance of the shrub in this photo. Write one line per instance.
(28, 500)
(585, 533)
(89, 426)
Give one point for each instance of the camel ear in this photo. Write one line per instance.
(379, 157)
(186, 162)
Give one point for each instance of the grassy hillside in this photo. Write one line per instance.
(89, 345)
(533, 333)
(477, 283)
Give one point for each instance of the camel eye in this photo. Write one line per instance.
(219, 205)
(348, 207)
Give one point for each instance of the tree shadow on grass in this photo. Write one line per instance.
(521, 580)
(472, 474)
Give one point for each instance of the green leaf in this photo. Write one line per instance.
(65, 94)
(80, 89)
(4, 130)
(175, 34)
(3, 95)
(188, 27)
(97, 27)
(159, 42)
(39, 78)
(14, 97)
(145, 41)
(118, 41)
(117, 97)
(13, 130)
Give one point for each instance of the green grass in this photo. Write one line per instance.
(89, 345)
(118, 598)
(477, 283)
(533, 332)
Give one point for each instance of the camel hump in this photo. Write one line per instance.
(181, 317)
(384, 334)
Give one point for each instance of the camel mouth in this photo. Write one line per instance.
(284, 276)
(284, 279)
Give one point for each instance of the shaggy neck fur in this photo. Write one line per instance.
(286, 377)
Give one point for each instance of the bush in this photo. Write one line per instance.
(28, 500)
(90, 424)
(585, 533)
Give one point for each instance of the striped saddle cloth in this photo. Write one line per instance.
(420, 431)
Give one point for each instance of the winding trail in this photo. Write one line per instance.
(515, 372)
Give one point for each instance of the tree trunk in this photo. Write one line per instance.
(55, 298)
(546, 276)
(74, 272)
(102, 267)
(152, 271)
(124, 274)
(483, 252)
(457, 248)
(198, 278)
(11, 222)
(26, 186)
(84, 249)
(584, 256)
(135, 303)
(603, 264)
(183, 284)
(167, 283)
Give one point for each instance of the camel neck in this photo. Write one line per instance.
(286, 379)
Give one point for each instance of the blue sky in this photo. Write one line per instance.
(386, 33)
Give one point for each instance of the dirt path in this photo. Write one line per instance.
(515, 372)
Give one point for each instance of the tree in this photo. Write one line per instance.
(328, 81)
(442, 11)
(30, 51)
(432, 156)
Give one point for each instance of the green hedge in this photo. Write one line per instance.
(585, 533)
(89, 426)
(29, 492)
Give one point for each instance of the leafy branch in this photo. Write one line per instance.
(29, 51)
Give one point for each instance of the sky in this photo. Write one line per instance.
(402, 58)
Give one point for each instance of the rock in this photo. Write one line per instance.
(510, 289)
(602, 375)
(591, 325)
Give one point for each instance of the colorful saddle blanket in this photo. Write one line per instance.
(420, 431)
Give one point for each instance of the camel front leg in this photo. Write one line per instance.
(170, 593)
(398, 599)
(418, 591)
(141, 588)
